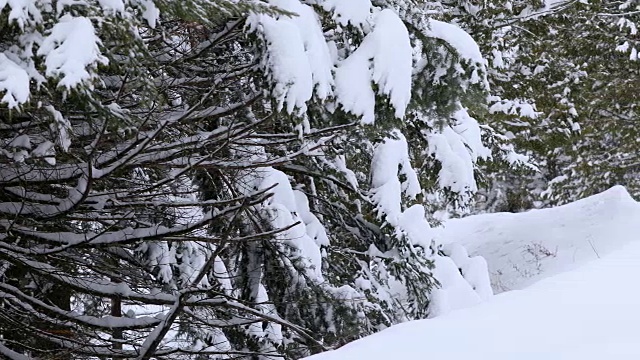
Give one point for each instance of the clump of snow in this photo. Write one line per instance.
(469, 130)
(385, 58)
(457, 148)
(314, 227)
(22, 11)
(299, 60)
(546, 8)
(69, 49)
(586, 314)
(473, 269)
(392, 60)
(270, 330)
(411, 223)
(46, 151)
(289, 210)
(62, 126)
(353, 86)
(457, 166)
(298, 57)
(219, 342)
(526, 247)
(464, 45)
(340, 164)
(391, 159)
(454, 292)
(21, 141)
(282, 192)
(289, 70)
(14, 82)
(463, 281)
(150, 13)
(113, 6)
(354, 12)
(459, 39)
(162, 257)
(523, 109)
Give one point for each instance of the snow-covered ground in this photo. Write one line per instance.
(580, 265)
(588, 313)
(523, 248)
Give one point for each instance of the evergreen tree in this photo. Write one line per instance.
(559, 73)
(229, 178)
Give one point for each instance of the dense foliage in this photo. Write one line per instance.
(230, 179)
(561, 74)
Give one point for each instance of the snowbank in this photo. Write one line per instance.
(526, 247)
(588, 313)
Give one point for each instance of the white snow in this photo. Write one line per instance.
(354, 12)
(384, 57)
(313, 226)
(457, 148)
(459, 39)
(46, 150)
(464, 281)
(113, 6)
(284, 212)
(63, 127)
(300, 61)
(474, 269)
(512, 107)
(392, 61)
(290, 71)
(586, 314)
(151, 13)
(340, 164)
(22, 11)
(454, 292)
(14, 82)
(353, 86)
(22, 141)
(298, 57)
(411, 222)
(547, 7)
(69, 49)
(272, 331)
(525, 247)
(469, 131)
(391, 159)
(583, 306)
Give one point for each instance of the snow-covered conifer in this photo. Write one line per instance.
(229, 178)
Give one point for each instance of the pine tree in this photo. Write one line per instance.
(220, 179)
(560, 76)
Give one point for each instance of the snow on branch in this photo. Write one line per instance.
(390, 160)
(14, 82)
(298, 58)
(69, 49)
(385, 58)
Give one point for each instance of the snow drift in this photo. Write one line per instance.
(588, 313)
(526, 247)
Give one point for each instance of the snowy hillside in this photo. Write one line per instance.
(588, 313)
(525, 247)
